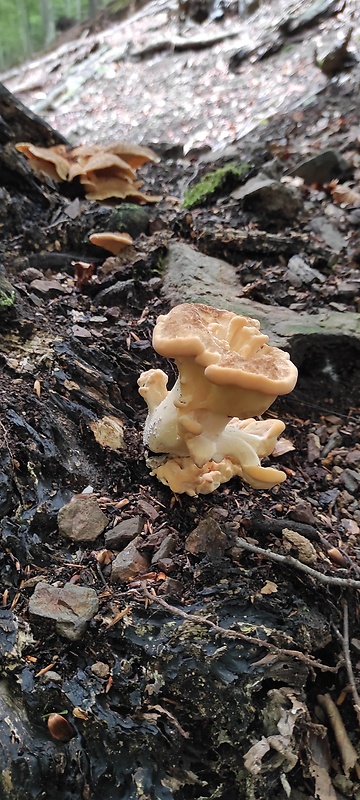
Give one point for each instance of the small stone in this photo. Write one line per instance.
(81, 519)
(124, 532)
(207, 538)
(166, 565)
(298, 272)
(154, 539)
(51, 677)
(129, 563)
(31, 274)
(303, 513)
(328, 498)
(328, 233)
(166, 549)
(350, 527)
(81, 333)
(348, 289)
(171, 587)
(70, 607)
(313, 447)
(48, 288)
(351, 479)
(268, 197)
(322, 168)
(148, 509)
(100, 669)
(353, 457)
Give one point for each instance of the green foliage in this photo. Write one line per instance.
(228, 177)
(22, 28)
(6, 300)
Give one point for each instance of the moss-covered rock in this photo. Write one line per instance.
(222, 179)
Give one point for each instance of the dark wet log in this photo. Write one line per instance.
(180, 711)
(19, 123)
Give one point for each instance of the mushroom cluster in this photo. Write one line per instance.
(103, 172)
(204, 427)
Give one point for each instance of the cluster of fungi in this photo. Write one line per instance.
(104, 172)
(204, 427)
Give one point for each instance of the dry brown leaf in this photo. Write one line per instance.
(282, 446)
(269, 588)
(79, 713)
(343, 195)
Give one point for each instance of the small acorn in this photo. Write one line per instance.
(60, 729)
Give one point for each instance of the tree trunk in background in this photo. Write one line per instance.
(78, 9)
(93, 7)
(24, 28)
(48, 20)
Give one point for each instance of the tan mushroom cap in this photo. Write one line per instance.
(112, 241)
(51, 160)
(104, 188)
(230, 348)
(134, 154)
(102, 164)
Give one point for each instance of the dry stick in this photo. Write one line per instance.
(349, 669)
(293, 562)
(347, 751)
(278, 651)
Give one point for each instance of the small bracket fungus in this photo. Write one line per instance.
(111, 240)
(104, 172)
(204, 425)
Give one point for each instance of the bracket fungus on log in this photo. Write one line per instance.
(104, 172)
(204, 427)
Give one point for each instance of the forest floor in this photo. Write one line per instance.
(109, 85)
(71, 355)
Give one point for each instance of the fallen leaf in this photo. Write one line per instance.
(269, 588)
(282, 446)
(79, 713)
(343, 195)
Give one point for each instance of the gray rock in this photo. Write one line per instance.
(82, 520)
(268, 196)
(70, 608)
(124, 532)
(322, 168)
(299, 272)
(48, 288)
(207, 538)
(129, 563)
(191, 277)
(171, 588)
(51, 677)
(328, 233)
(351, 479)
(166, 549)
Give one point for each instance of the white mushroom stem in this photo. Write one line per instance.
(174, 428)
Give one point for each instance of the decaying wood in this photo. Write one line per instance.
(18, 123)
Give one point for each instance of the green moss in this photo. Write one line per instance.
(6, 300)
(229, 175)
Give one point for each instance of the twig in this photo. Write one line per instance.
(349, 669)
(289, 561)
(231, 634)
(347, 751)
